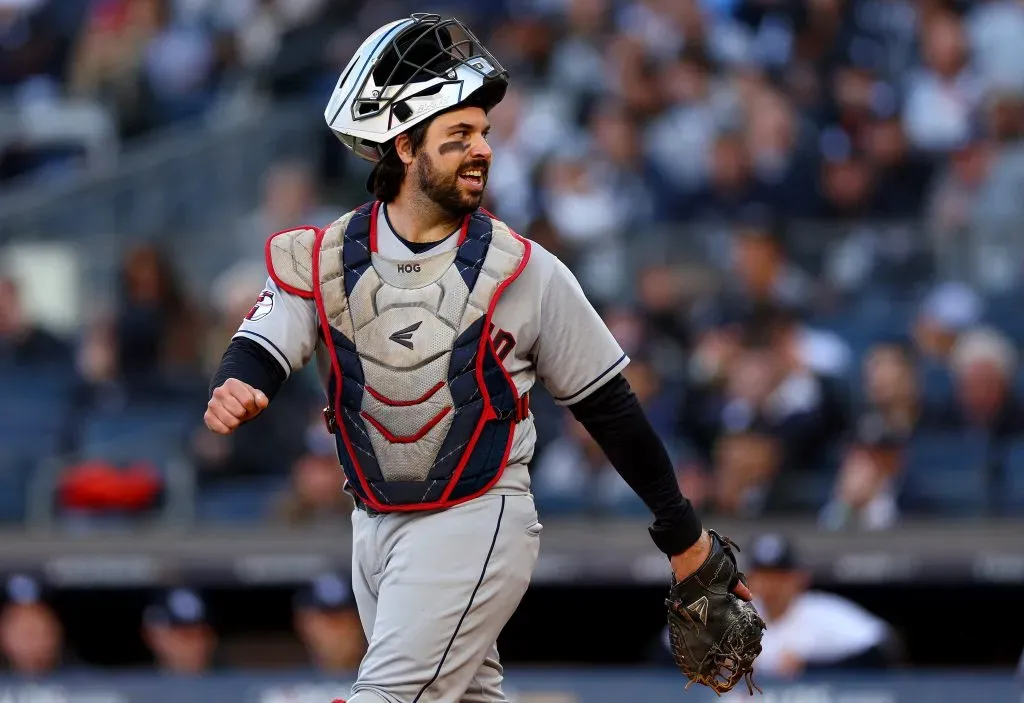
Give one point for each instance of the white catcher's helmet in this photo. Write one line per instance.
(406, 72)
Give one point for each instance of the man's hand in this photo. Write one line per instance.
(233, 403)
(686, 563)
(714, 629)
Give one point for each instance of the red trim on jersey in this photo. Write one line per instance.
(404, 403)
(270, 263)
(406, 439)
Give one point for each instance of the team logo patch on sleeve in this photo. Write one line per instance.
(264, 304)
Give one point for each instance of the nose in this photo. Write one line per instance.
(480, 149)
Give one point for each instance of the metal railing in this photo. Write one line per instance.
(182, 185)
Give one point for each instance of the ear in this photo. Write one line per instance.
(403, 147)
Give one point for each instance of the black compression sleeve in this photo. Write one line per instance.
(247, 361)
(615, 419)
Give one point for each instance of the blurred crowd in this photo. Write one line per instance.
(809, 630)
(180, 631)
(800, 219)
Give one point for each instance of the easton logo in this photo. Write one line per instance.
(408, 268)
(700, 607)
(404, 336)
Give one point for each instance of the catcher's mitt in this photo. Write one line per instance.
(715, 636)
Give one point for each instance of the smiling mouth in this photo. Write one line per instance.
(473, 177)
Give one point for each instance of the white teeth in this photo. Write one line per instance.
(474, 174)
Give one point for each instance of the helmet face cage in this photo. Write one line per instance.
(431, 48)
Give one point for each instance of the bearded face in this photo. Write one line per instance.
(457, 191)
(452, 166)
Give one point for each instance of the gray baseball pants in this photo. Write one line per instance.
(434, 590)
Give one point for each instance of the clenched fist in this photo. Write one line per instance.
(233, 403)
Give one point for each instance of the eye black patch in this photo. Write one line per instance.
(448, 147)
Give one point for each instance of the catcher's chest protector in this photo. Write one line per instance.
(422, 408)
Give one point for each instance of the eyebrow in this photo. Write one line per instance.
(468, 127)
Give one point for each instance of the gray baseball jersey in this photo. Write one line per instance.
(461, 571)
(556, 336)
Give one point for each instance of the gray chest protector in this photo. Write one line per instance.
(422, 408)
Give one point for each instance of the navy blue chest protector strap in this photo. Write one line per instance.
(485, 403)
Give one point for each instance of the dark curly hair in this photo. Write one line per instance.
(388, 173)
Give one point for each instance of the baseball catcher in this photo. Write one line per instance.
(430, 321)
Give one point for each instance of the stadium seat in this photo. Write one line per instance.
(162, 423)
(945, 476)
(242, 501)
(174, 482)
(1003, 311)
(801, 492)
(1012, 496)
(14, 474)
(35, 406)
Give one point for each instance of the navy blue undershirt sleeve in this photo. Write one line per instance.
(615, 419)
(250, 363)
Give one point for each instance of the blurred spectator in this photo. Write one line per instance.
(984, 363)
(31, 636)
(943, 96)
(31, 47)
(328, 624)
(732, 185)
(903, 175)
(849, 183)
(23, 343)
(667, 297)
(265, 446)
(591, 209)
(573, 469)
(231, 295)
(762, 272)
(525, 127)
(676, 141)
(949, 310)
(753, 407)
(316, 493)
(866, 489)
(995, 30)
(153, 330)
(178, 633)
(290, 199)
(973, 209)
(809, 630)
(109, 61)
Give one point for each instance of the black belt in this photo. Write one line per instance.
(360, 505)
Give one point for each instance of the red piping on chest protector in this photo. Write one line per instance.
(404, 403)
(487, 414)
(273, 274)
(406, 439)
